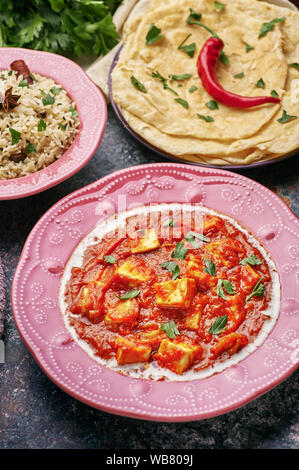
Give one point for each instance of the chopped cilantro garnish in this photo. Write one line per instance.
(170, 329)
(172, 267)
(248, 47)
(285, 117)
(41, 125)
(274, 94)
(184, 103)
(206, 118)
(258, 290)
(218, 325)
(260, 83)
(153, 35)
(130, 294)
(212, 105)
(183, 76)
(180, 251)
(266, 27)
(15, 135)
(219, 6)
(210, 267)
(24, 83)
(30, 148)
(251, 259)
(138, 84)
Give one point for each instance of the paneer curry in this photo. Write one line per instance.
(171, 293)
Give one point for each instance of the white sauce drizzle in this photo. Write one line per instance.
(152, 370)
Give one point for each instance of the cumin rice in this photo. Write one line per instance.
(60, 118)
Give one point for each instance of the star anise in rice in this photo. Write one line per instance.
(9, 101)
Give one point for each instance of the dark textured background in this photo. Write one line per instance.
(36, 414)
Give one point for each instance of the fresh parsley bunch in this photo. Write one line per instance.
(66, 27)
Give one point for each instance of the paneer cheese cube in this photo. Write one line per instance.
(122, 311)
(192, 321)
(175, 294)
(227, 251)
(249, 277)
(146, 241)
(203, 279)
(129, 352)
(177, 356)
(131, 273)
(213, 224)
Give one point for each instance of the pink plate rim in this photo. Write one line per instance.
(92, 110)
(52, 240)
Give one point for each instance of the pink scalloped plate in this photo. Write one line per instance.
(92, 109)
(58, 232)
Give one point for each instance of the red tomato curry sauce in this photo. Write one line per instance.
(181, 294)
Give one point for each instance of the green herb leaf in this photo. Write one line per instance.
(30, 148)
(62, 126)
(266, 27)
(223, 58)
(285, 117)
(206, 118)
(228, 286)
(218, 325)
(212, 105)
(180, 251)
(295, 65)
(258, 289)
(251, 259)
(163, 80)
(210, 267)
(10, 73)
(41, 125)
(138, 84)
(130, 294)
(239, 75)
(188, 48)
(183, 76)
(170, 329)
(55, 90)
(194, 18)
(260, 83)
(248, 47)
(24, 83)
(193, 89)
(153, 35)
(184, 103)
(220, 291)
(15, 135)
(73, 111)
(274, 94)
(47, 99)
(219, 6)
(110, 259)
(171, 267)
(199, 236)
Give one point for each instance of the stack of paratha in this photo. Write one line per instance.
(234, 136)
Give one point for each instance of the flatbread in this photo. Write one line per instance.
(236, 136)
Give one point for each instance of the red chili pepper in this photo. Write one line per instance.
(206, 65)
(21, 68)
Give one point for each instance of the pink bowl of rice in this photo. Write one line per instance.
(52, 120)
